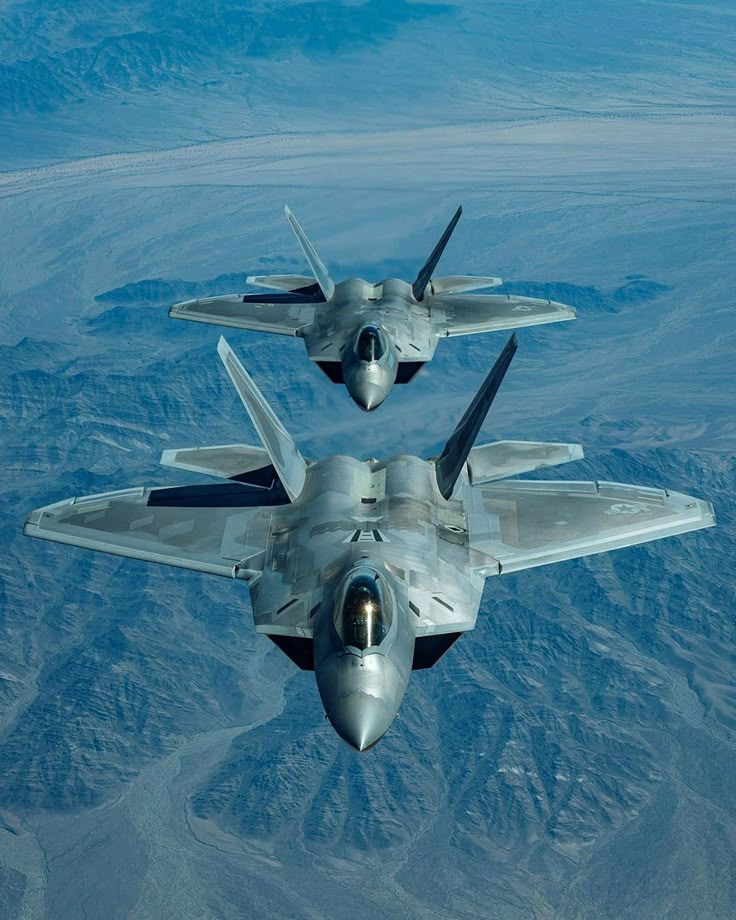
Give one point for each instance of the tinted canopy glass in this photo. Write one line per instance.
(364, 614)
(369, 346)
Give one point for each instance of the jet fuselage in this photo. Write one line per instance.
(366, 570)
(386, 519)
(341, 332)
(409, 319)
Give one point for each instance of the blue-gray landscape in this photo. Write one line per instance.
(572, 757)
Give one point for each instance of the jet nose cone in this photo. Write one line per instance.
(367, 395)
(361, 719)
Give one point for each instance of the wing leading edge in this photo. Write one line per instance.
(226, 541)
(219, 529)
(467, 314)
(525, 524)
(235, 311)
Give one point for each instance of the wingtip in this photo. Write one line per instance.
(577, 452)
(223, 348)
(287, 211)
(176, 310)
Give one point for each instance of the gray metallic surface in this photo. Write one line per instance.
(537, 523)
(229, 310)
(369, 382)
(511, 458)
(413, 323)
(224, 461)
(431, 555)
(362, 690)
(288, 462)
(310, 254)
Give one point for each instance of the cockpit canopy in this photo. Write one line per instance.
(370, 345)
(364, 611)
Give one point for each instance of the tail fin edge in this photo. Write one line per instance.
(319, 269)
(285, 456)
(425, 272)
(451, 461)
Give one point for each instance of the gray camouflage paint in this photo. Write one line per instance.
(432, 555)
(413, 325)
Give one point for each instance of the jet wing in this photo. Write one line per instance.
(524, 524)
(281, 318)
(225, 540)
(465, 314)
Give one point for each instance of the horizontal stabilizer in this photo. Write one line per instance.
(226, 461)
(489, 462)
(280, 282)
(459, 284)
(310, 254)
(285, 457)
(451, 461)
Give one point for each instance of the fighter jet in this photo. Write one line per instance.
(370, 336)
(365, 570)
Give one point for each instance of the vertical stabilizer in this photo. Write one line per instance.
(425, 273)
(287, 461)
(452, 459)
(318, 267)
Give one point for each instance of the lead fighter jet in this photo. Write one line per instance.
(370, 336)
(365, 570)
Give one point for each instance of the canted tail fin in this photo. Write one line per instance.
(310, 254)
(285, 457)
(425, 273)
(450, 462)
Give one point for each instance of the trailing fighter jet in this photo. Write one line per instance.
(366, 570)
(370, 336)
